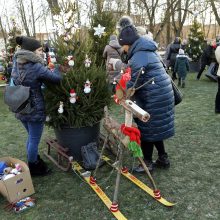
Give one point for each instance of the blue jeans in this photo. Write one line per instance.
(35, 130)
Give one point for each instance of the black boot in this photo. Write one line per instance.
(174, 76)
(39, 168)
(140, 169)
(183, 84)
(163, 161)
(179, 82)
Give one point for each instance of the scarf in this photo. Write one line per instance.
(24, 56)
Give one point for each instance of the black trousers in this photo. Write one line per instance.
(148, 147)
(202, 68)
(217, 98)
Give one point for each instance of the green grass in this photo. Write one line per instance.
(193, 180)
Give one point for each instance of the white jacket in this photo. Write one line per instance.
(217, 56)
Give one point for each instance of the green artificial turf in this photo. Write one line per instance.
(192, 182)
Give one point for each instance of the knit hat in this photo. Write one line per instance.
(128, 33)
(141, 30)
(181, 51)
(113, 37)
(28, 43)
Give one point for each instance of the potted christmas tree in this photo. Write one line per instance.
(76, 106)
(195, 45)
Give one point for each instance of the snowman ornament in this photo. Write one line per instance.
(72, 96)
(87, 62)
(60, 109)
(70, 61)
(87, 87)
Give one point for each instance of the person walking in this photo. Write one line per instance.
(156, 98)
(206, 58)
(173, 51)
(181, 67)
(29, 70)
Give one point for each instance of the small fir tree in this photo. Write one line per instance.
(80, 98)
(195, 41)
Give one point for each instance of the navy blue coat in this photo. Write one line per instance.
(36, 75)
(155, 98)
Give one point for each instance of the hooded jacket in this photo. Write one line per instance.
(112, 50)
(155, 98)
(31, 66)
(181, 65)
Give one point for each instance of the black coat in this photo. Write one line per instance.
(174, 50)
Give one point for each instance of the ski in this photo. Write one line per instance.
(137, 182)
(86, 176)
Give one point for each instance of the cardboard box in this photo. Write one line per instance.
(19, 186)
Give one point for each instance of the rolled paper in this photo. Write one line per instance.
(136, 110)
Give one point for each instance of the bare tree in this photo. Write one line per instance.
(33, 19)
(2, 30)
(54, 7)
(180, 6)
(214, 8)
(21, 10)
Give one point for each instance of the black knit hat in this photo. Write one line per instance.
(28, 43)
(128, 35)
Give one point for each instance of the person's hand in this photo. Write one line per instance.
(64, 69)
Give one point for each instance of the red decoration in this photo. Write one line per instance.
(133, 133)
(126, 76)
(72, 91)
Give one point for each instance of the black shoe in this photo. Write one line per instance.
(217, 111)
(140, 169)
(183, 84)
(179, 82)
(39, 168)
(163, 161)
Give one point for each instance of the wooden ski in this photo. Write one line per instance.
(137, 182)
(105, 199)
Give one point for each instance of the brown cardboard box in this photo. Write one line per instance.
(19, 186)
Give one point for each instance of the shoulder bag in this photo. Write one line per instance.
(17, 97)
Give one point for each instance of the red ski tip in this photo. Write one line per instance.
(124, 170)
(157, 194)
(114, 207)
(92, 180)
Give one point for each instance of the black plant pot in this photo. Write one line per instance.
(75, 138)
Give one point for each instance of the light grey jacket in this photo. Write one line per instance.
(112, 50)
